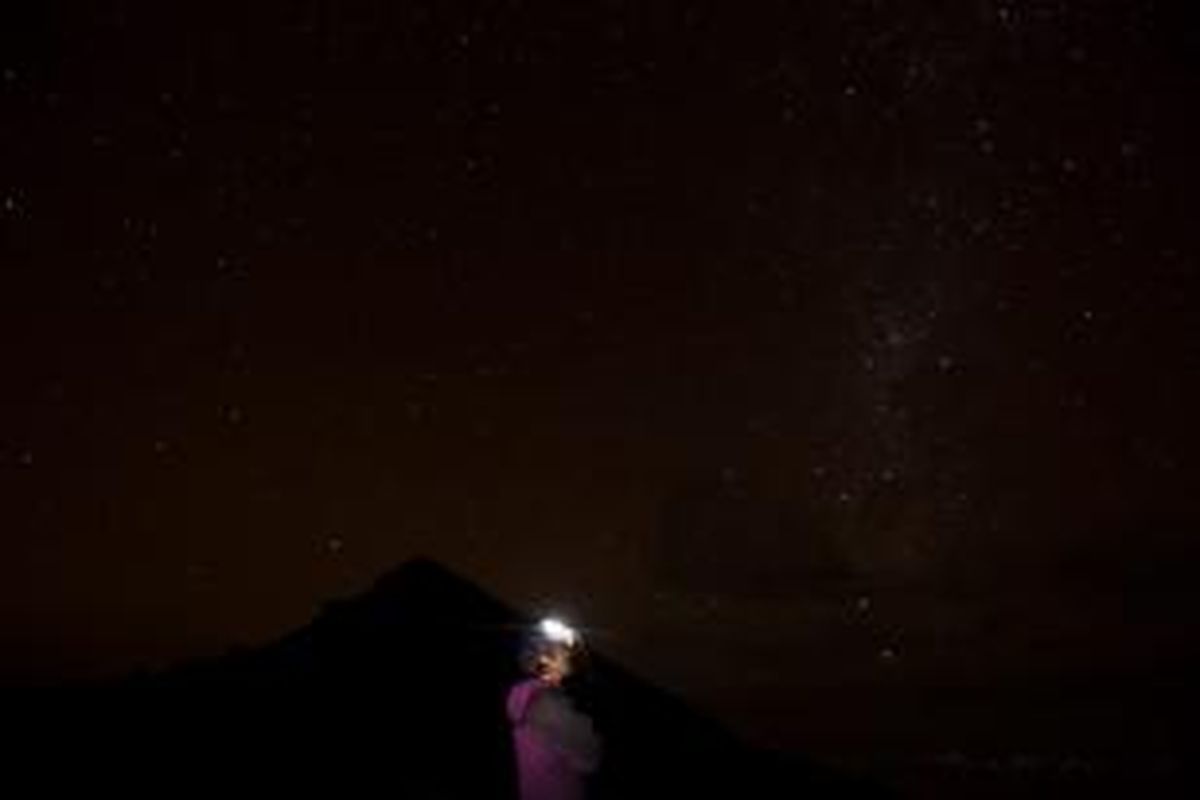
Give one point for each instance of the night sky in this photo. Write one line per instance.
(834, 363)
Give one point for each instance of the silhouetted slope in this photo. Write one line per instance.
(401, 691)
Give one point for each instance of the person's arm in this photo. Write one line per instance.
(568, 731)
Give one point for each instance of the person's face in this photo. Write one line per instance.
(555, 664)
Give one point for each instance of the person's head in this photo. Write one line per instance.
(546, 660)
(552, 653)
(555, 663)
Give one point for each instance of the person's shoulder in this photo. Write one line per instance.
(525, 690)
(526, 685)
(522, 696)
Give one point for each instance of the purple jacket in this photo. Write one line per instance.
(555, 744)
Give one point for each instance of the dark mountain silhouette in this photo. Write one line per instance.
(401, 692)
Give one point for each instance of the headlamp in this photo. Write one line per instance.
(555, 630)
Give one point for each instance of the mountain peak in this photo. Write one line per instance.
(424, 587)
(406, 684)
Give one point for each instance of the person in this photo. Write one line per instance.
(556, 745)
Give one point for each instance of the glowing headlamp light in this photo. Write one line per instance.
(555, 630)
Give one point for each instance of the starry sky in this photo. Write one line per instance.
(826, 360)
